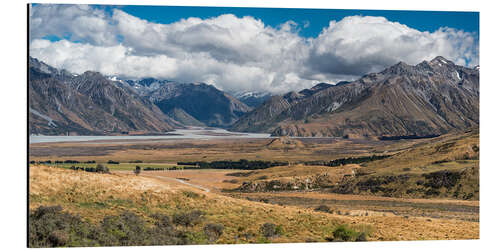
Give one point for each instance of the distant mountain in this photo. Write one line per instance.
(143, 86)
(430, 98)
(252, 99)
(88, 104)
(201, 101)
(184, 118)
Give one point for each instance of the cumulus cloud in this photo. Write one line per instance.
(74, 22)
(232, 53)
(358, 45)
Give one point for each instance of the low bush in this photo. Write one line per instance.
(323, 208)
(346, 233)
(188, 219)
(191, 194)
(213, 231)
(270, 230)
(52, 227)
(101, 169)
(137, 170)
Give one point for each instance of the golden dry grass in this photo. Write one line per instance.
(94, 196)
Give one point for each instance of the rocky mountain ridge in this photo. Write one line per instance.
(432, 97)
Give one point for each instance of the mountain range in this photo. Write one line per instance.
(63, 103)
(430, 98)
(427, 99)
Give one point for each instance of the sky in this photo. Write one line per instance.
(246, 49)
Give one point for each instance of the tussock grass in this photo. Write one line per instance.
(94, 196)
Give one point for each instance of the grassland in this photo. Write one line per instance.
(426, 189)
(94, 196)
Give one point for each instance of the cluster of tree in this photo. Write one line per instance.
(67, 161)
(153, 169)
(62, 162)
(42, 162)
(98, 169)
(406, 137)
(51, 227)
(349, 160)
(241, 164)
(113, 162)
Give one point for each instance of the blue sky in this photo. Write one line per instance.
(246, 49)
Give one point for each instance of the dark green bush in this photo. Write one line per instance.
(213, 231)
(51, 227)
(188, 219)
(344, 233)
(191, 194)
(101, 169)
(137, 170)
(270, 230)
(323, 208)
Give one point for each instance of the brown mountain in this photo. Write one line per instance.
(202, 102)
(430, 98)
(87, 104)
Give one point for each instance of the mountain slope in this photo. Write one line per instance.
(426, 99)
(87, 104)
(184, 118)
(252, 99)
(203, 102)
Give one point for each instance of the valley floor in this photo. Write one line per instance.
(425, 189)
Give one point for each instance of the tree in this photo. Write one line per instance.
(101, 169)
(137, 170)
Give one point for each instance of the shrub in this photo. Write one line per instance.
(137, 170)
(51, 227)
(127, 229)
(188, 219)
(213, 231)
(101, 169)
(191, 194)
(323, 208)
(270, 230)
(345, 233)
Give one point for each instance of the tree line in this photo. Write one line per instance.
(241, 164)
(348, 160)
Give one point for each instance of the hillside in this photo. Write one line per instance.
(203, 102)
(430, 98)
(145, 205)
(443, 167)
(88, 104)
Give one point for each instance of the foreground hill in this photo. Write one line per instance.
(88, 104)
(124, 209)
(430, 98)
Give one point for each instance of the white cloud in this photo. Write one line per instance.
(77, 22)
(235, 54)
(357, 45)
